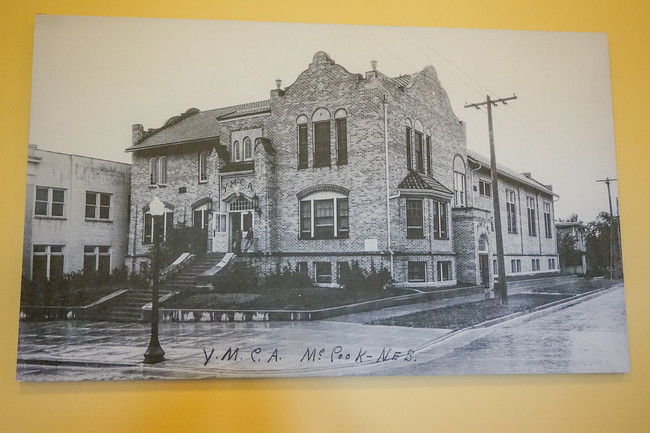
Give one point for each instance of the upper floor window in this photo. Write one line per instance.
(303, 143)
(248, 149)
(459, 182)
(485, 188)
(98, 205)
(547, 220)
(419, 147)
(203, 166)
(440, 220)
(324, 215)
(321, 125)
(236, 151)
(532, 222)
(50, 202)
(341, 137)
(414, 218)
(162, 170)
(153, 171)
(428, 142)
(511, 211)
(408, 144)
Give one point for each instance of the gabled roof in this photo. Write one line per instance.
(198, 126)
(424, 183)
(507, 172)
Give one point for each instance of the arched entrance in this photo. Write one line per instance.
(241, 219)
(483, 261)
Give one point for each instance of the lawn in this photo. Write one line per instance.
(473, 313)
(581, 285)
(279, 299)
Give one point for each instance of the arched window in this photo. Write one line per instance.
(203, 166)
(324, 215)
(459, 181)
(409, 128)
(153, 176)
(429, 163)
(236, 151)
(248, 149)
(321, 125)
(341, 136)
(162, 170)
(303, 144)
(419, 147)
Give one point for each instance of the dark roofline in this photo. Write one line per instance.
(138, 148)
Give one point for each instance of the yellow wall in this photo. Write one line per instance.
(592, 403)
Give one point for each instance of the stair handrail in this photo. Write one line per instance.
(176, 266)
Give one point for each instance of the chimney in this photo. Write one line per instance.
(137, 133)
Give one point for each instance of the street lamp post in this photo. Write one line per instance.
(155, 353)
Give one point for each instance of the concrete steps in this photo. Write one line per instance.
(187, 277)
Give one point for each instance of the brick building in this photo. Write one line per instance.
(76, 214)
(335, 167)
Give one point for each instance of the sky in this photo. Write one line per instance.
(94, 77)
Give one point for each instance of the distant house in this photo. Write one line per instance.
(572, 233)
(76, 214)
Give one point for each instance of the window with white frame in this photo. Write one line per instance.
(324, 215)
(157, 227)
(551, 263)
(162, 170)
(428, 142)
(417, 272)
(98, 205)
(414, 218)
(532, 220)
(323, 272)
(409, 128)
(515, 265)
(440, 220)
(511, 211)
(444, 271)
(203, 166)
(248, 149)
(535, 265)
(485, 188)
(50, 202)
(200, 217)
(47, 262)
(459, 182)
(236, 151)
(548, 228)
(321, 126)
(97, 259)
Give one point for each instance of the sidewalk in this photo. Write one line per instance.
(74, 350)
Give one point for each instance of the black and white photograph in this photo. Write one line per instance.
(230, 199)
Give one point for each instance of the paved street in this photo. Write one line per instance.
(585, 335)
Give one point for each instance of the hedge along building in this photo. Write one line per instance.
(334, 168)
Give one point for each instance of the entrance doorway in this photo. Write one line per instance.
(241, 221)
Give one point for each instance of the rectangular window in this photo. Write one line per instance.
(324, 219)
(532, 222)
(515, 265)
(547, 220)
(428, 155)
(158, 227)
(49, 202)
(162, 171)
(305, 219)
(535, 264)
(303, 147)
(343, 218)
(341, 141)
(511, 211)
(98, 205)
(495, 266)
(323, 272)
(199, 218)
(440, 220)
(322, 156)
(97, 259)
(417, 272)
(419, 157)
(414, 219)
(459, 189)
(551, 263)
(203, 167)
(444, 271)
(47, 262)
(408, 148)
(485, 188)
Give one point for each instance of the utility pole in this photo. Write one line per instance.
(503, 286)
(608, 181)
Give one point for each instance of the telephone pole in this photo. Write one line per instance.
(608, 181)
(503, 286)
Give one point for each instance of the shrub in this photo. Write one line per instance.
(239, 276)
(353, 277)
(287, 278)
